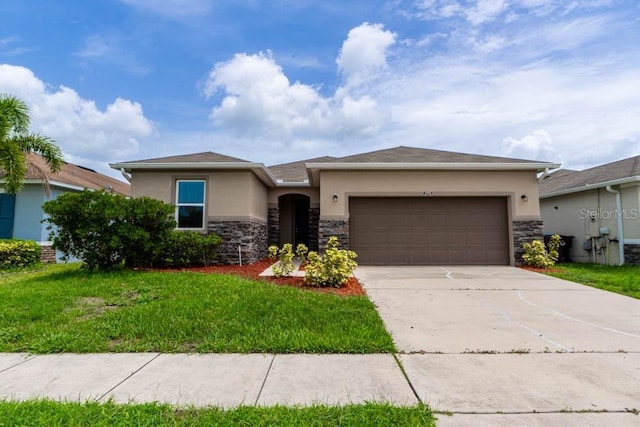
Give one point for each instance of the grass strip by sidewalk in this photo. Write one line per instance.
(64, 309)
(621, 279)
(49, 413)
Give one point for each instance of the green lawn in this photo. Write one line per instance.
(623, 279)
(48, 413)
(64, 309)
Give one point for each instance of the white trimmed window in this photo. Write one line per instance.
(190, 197)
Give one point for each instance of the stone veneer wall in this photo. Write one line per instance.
(251, 235)
(631, 254)
(314, 218)
(273, 224)
(525, 231)
(47, 254)
(328, 228)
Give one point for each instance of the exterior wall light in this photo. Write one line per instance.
(335, 198)
(524, 198)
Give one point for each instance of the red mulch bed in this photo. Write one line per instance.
(252, 271)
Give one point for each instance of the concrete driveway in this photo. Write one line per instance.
(505, 346)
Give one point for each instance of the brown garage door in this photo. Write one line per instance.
(429, 231)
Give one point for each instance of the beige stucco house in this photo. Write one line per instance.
(400, 206)
(600, 207)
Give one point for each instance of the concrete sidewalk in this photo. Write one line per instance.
(223, 380)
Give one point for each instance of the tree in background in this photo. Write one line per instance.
(16, 141)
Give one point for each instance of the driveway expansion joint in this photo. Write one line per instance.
(273, 358)
(406, 377)
(26, 359)
(127, 377)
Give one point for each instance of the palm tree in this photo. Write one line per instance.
(16, 142)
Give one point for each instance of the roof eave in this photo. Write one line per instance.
(54, 183)
(539, 167)
(587, 187)
(259, 169)
(313, 169)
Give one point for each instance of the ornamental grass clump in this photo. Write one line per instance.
(333, 269)
(536, 254)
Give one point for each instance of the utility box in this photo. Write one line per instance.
(593, 229)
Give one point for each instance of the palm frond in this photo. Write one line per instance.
(16, 143)
(14, 115)
(41, 173)
(35, 143)
(14, 165)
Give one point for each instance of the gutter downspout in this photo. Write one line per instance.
(619, 219)
(544, 175)
(126, 175)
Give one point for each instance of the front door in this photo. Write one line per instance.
(7, 208)
(301, 220)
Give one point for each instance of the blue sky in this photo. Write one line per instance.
(283, 80)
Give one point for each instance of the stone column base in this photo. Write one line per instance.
(525, 231)
(248, 236)
(47, 253)
(273, 223)
(328, 228)
(631, 254)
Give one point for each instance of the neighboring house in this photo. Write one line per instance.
(400, 206)
(21, 214)
(600, 207)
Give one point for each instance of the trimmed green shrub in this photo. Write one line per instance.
(107, 230)
(18, 253)
(334, 269)
(186, 248)
(536, 255)
(285, 256)
(146, 226)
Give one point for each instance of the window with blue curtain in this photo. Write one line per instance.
(190, 199)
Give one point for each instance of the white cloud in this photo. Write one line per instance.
(475, 12)
(479, 12)
(535, 146)
(259, 100)
(84, 132)
(485, 10)
(503, 93)
(573, 33)
(364, 51)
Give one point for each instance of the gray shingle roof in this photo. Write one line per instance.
(206, 157)
(295, 171)
(568, 179)
(423, 155)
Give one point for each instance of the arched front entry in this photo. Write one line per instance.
(294, 219)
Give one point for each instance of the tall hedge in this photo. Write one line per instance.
(107, 230)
